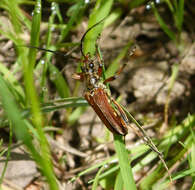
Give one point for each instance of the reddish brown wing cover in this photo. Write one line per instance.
(101, 105)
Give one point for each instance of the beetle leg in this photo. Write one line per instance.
(120, 69)
(116, 75)
(78, 76)
(140, 133)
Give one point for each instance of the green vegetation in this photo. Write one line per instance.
(29, 103)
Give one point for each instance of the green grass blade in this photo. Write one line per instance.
(22, 133)
(180, 15)
(119, 182)
(192, 159)
(33, 97)
(193, 186)
(55, 75)
(114, 15)
(75, 115)
(96, 180)
(170, 6)
(105, 162)
(59, 81)
(163, 24)
(62, 104)
(12, 7)
(46, 60)
(68, 103)
(14, 114)
(174, 74)
(114, 66)
(58, 13)
(11, 79)
(136, 3)
(100, 11)
(124, 163)
(7, 156)
(111, 171)
(73, 18)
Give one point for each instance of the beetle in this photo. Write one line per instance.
(98, 97)
(96, 93)
(108, 110)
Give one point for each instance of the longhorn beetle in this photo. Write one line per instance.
(108, 110)
(96, 94)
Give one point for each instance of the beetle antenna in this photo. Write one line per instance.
(48, 50)
(83, 37)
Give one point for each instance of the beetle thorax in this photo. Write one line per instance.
(91, 77)
(92, 80)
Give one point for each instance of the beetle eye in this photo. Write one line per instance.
(91, 65)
